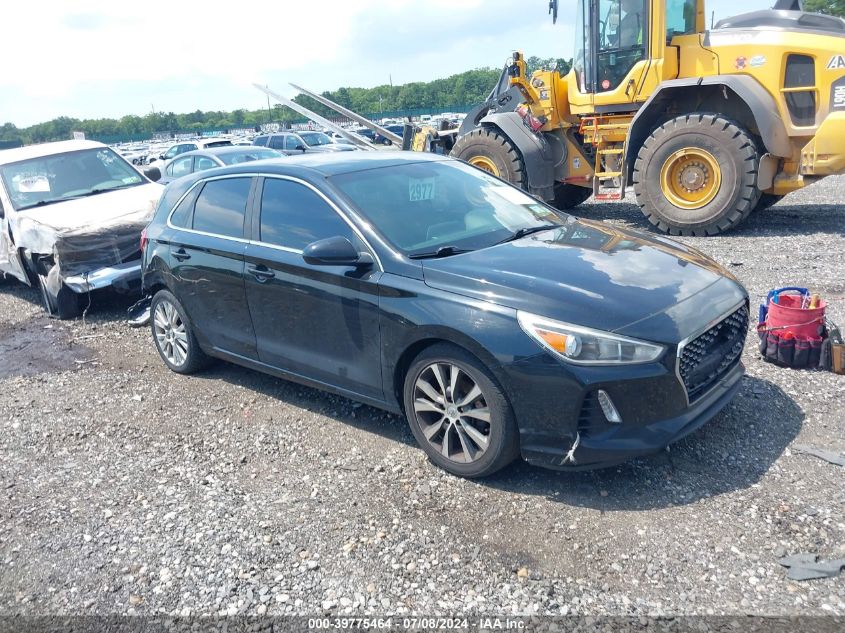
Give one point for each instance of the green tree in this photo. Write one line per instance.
(830, 7)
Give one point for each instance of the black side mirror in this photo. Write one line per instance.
(300, 148)
(335, 251)
(2, 211)
(153, 173)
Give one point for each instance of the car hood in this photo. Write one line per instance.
(38, 228)
(587, 273)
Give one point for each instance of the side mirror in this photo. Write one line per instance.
(335, 251)
(2, 210)
(300, 148)
(153, 173)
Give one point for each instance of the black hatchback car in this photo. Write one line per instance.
(416, 283)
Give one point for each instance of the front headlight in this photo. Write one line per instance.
(585, 346)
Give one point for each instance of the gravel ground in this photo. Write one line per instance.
(129, 489)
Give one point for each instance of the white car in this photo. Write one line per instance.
(182, 147)
(71, 216)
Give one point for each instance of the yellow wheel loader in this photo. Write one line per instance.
(707, 125)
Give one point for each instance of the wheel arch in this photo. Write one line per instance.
(736, 97)
(536, 154)
(434, 335)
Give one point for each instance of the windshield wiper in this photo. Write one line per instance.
(443, 251)
(40, 203)
(528, 230)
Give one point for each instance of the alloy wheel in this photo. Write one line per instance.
(171, 335)
(452, 412)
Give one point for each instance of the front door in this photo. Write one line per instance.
(207, 262)
(316, 321)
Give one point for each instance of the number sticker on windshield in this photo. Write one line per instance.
(420, 189)
(33, 184)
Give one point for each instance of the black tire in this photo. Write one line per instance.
(501, 433)
(194, 358)
(569, 196)
(766, 200)
(488, 146)
(732, 148)
(63, 305)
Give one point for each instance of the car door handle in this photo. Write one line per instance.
(181, 255)
(261, 273)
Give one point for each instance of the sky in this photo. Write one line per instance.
(97, 59)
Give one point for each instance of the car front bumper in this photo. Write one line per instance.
(122, 277)
(627, 440)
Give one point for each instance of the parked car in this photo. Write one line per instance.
(183, 147)
(301, 143)
(201, 160)
(399, 130)
(416, 283)
(71, 215)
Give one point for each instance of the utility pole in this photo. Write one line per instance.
(269, 111)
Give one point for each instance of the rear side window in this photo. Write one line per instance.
(221, 207)
(292, 215)
(260, 140)
(182, 215)
(277, 142)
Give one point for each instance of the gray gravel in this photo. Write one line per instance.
(125, 488)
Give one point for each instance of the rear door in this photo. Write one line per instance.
(207, 261)
(321, 322)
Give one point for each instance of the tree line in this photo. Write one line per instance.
(441, 95)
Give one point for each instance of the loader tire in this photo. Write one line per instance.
(569, 196)
(492, 151)
(766, 200)
(697, 175)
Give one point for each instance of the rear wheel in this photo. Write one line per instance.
(493, 152)
(569, 196)
(174, 339)
(697, 175)
(458, 413)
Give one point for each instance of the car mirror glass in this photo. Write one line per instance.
(153, 173)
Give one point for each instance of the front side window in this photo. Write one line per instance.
(680, 18)
(422, 207)
(179, 167)
(292, 142)
(50, 179)
(172, 152)
(316, 138)
(293, 216)
(583, 61)
(622, 38)
(221, 206)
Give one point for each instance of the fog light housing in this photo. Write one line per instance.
(608, 409)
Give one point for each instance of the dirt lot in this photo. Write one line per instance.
(127, 488)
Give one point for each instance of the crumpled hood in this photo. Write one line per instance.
(37, 229)
(586, 273)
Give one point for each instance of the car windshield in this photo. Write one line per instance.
(421, 208)
(48, 179)
(257, 153)
(315, 138)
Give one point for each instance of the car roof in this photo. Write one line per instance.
(226, 149)
(45, 149)
(309, 166)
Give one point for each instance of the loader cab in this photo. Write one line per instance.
(617, 43)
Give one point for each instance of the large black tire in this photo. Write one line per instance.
(735, 156)
(569, 196)
(493, 152)
(63, 305)
(766, 200)
(499, 436)
(184, 355)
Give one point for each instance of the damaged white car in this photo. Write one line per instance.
(71, 216)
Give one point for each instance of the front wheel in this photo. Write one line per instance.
(697, 175)
(569, 196)
(493, 152)
(458, 413)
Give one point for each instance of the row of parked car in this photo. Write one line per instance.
(497, 325)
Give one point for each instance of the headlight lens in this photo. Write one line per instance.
(585, 346)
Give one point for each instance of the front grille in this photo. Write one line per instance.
(709, 356)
